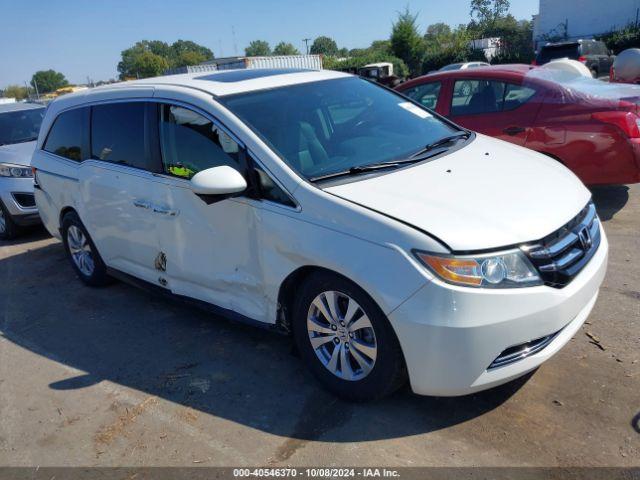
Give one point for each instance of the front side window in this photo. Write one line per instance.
(191, 142)
(426, 94)
(66, 135)
(21, 126)
(471, 97)
(329, 126)
(118, 133)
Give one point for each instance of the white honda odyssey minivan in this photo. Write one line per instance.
(389, 242)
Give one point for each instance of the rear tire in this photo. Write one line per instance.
(82, 252)
(8, 228)
(355, 353)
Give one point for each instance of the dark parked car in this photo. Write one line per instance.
(593, 53)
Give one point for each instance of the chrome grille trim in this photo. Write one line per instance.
(522, 351)
(559, 257)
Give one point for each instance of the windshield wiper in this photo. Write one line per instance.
(439, 143)
(418, 156)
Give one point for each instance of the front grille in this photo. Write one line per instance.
(25, 200)
(559, 257)
(522, 351)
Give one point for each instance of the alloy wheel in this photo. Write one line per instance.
(342, 335)
(80, 250)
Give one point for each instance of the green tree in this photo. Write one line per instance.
(353, 63)
(181, 47)
(516, 44)
(285, 49)
(258, 48)
(186, 58)
(406, 42)
(150, 58)
(619, 40)
(355, 52)
(15, 91)
(438, 30)
(380, 46)
(488, 12)
(139, 62)
(324, 46)
(48, 80)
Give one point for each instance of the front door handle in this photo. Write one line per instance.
(165, 211)
(142, 204)
(513, 130)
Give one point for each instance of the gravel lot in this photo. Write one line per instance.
(116, 376)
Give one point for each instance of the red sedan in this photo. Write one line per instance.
(583, 125)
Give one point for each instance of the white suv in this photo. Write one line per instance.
(388, 241)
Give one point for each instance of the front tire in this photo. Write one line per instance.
(346, 340)
(82, 252)
(8, 228)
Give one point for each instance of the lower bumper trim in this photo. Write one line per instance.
(522, 351)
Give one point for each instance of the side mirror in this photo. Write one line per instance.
(222, 180)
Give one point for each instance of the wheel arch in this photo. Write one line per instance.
(291, 284)
(63, 212)
(555, 157)
(288, 288)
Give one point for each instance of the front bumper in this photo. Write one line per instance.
(10, 192)
(450, 335)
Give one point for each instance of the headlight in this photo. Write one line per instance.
(500, 270)
(18, 171)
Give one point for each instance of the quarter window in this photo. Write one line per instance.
(66, 134)
(191, 142)
(426, 94)
(269, 189)
(118, 134)
(516, 95)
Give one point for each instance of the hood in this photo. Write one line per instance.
(485, 195)
(17, 153)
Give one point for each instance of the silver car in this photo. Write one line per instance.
(19, 127)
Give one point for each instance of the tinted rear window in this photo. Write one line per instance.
(66, 135)
(558, 51)
(118, 133)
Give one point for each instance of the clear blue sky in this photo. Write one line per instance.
(85, 38)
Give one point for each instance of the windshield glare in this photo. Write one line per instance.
(330, 126)
(20, 126)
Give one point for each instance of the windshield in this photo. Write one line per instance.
(333, 125)
(20, 126)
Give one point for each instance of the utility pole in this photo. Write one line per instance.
(235, 43)
(35, 85)
(306, 42)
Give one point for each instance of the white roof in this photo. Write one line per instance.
(225, 82)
